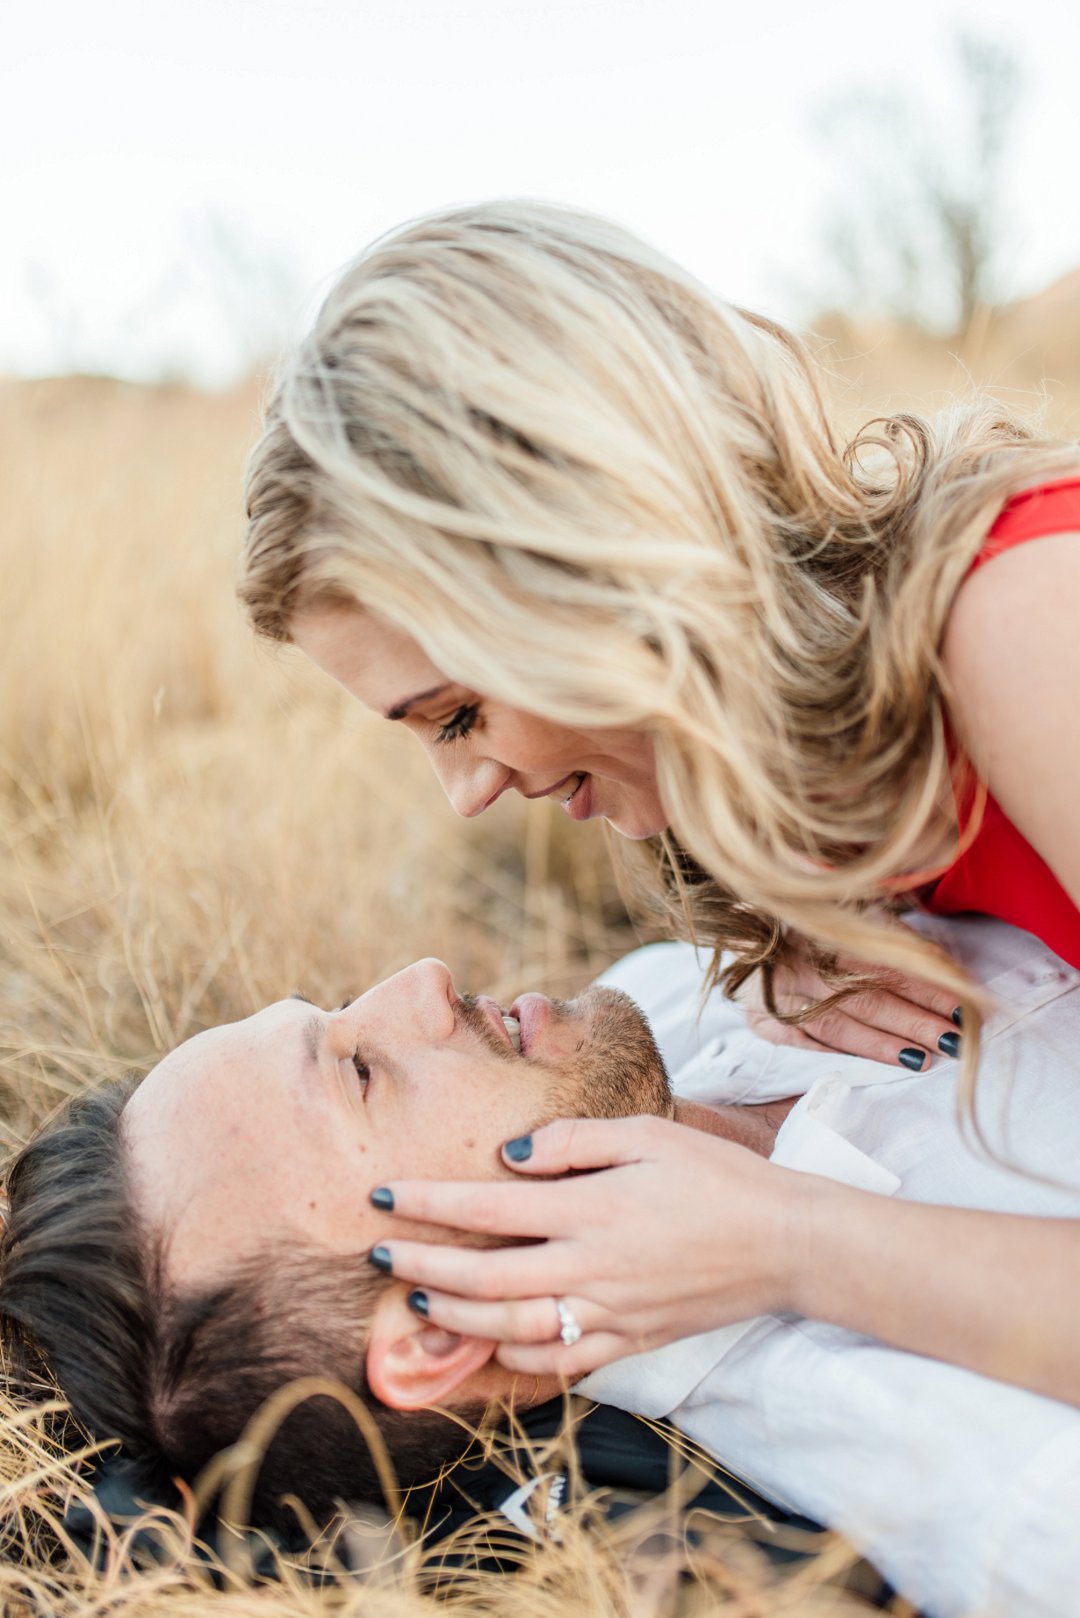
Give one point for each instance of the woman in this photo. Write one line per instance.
(530, 490)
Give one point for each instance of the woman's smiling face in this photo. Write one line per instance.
(478, 747)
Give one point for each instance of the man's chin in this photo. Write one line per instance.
(617, 1071)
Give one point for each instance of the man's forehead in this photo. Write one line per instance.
(194, 1126)
(213, 1053)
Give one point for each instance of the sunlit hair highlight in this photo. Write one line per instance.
(589, 488)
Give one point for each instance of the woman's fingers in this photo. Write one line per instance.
(471, 1272)
(596, 1348)
(898, 1019)
(892, 1014)
(882, 1023)
(879, 1025)
(913, 991)
(844, 1034)
(586, 1143)
(637, 1266)
(498, 1208)
(519, 1320)
(875, 1029)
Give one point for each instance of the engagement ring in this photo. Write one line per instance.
(570, 1331)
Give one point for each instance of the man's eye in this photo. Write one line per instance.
(459, 724)
(363, 1072)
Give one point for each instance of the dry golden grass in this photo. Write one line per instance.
(192, 826)
(1029, 356)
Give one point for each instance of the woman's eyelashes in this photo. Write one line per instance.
(459, 724)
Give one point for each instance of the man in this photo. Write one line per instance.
(177, 1250)
(247, 1158)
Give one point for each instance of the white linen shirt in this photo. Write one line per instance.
(963, 1491)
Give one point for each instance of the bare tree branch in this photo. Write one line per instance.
(917, 233)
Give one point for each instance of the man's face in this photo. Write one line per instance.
(278, 1128)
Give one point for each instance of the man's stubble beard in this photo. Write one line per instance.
(617, 1070)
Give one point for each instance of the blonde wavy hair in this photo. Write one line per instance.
(589, 488)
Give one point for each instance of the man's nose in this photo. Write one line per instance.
(472, 784)
(417, 1002)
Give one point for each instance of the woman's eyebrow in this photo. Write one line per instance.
(421, 696)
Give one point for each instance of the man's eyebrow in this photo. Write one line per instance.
(421, 696)
(308, 1001)
(312, 1030)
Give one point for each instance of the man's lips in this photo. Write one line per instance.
(533, 1012)
(494, 1014)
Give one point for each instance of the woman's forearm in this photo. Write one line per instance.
(997, 1293)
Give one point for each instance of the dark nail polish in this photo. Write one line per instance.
(913, 1058)
(384, 1199)
(958, 1016)
(519, 1150)
(949, 1044)
(418, 1303)
(380, 1257)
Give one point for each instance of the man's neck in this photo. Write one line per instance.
(753, 1127)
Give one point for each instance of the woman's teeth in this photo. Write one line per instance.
(513, 1028)
(571, 787)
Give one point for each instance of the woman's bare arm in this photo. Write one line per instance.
(997, 1293)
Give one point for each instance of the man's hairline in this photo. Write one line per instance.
(153, 1241)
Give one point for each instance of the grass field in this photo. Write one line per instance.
(192, 826)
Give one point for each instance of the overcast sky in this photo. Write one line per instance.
(179, 178)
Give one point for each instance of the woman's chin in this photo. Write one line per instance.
(637, 828)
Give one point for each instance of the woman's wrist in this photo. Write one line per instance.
(844, 1240)
(816, 1264)
(978, 1289)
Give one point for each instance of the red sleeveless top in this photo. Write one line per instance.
(999, 873)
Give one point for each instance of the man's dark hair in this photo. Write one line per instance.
(176, 1377)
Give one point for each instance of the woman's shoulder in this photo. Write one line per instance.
(1049, 508)
(997, 608)
(1012, 596)
(1010, 637)
(1011, 656)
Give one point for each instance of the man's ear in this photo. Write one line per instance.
(411, 1364)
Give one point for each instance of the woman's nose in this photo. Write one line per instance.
(472, 784)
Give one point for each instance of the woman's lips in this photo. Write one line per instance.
(561, 789)
(578, 804)
(573, 793)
